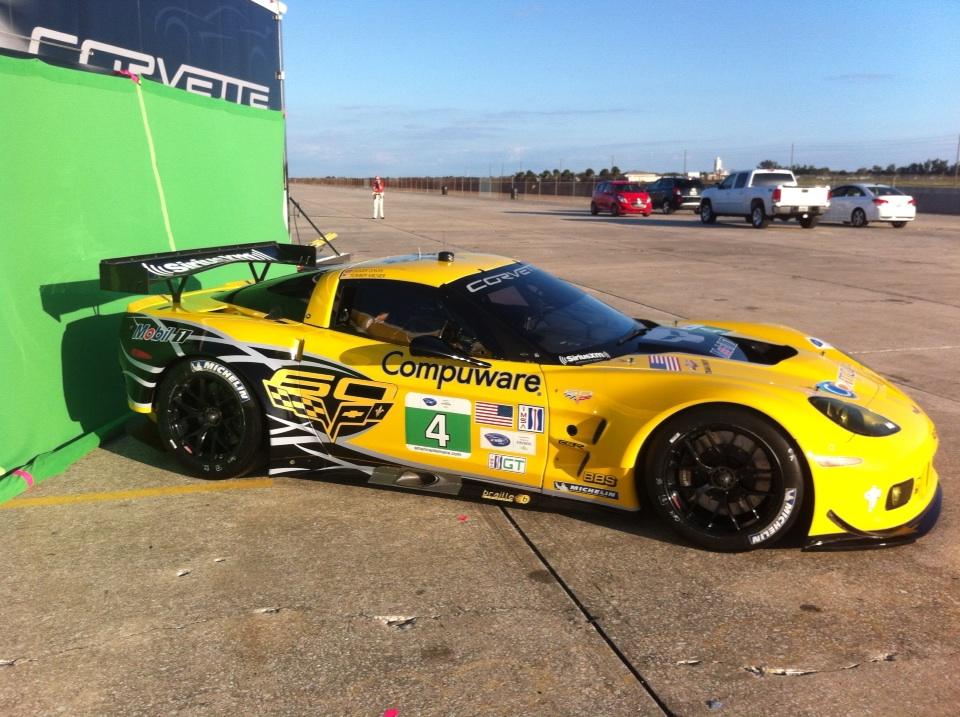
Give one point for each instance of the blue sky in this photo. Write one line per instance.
(417, 87)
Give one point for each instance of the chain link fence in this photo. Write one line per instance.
(934, 194)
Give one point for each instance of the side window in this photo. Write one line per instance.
(728, 182)
(855, 192)
(741, 180)
(839, 192)
(391, 311)
(398, 311)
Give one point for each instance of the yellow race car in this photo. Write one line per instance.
(478, 375)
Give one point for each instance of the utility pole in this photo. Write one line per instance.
(791, 155)
(956, 165)
(684, 163)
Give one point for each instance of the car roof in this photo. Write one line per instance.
(426, 268)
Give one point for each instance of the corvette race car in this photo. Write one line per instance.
(478, 375)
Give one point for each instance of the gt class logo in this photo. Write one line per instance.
(342, 405)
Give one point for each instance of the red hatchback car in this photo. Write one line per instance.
(620, 196)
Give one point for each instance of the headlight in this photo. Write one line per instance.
(855, 419)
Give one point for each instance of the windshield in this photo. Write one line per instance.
(631, 188)
(554, 316)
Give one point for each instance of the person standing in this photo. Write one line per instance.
(377, 186)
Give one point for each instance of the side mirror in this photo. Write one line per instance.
(434, 347)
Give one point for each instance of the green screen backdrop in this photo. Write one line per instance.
(91, 167)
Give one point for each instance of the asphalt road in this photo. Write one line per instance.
(130, 588)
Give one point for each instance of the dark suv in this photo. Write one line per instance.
(668, 194)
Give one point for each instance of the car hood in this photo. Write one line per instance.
(753, 352)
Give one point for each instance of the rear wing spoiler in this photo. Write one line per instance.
(136, 274)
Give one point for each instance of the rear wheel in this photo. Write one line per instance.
(706, 213)
(593, 209)
(614, 210)
(667, 207)
(209, 419)
(758, 216)
(725, 478)
(858, 218)
(899, 225)
(809, 222)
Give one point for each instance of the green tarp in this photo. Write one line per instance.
(95, 166)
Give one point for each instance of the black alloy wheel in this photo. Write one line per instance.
(725, 478)
(667, 207)
(209, 419)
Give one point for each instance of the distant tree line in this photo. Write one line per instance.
(932, 167)
(567, 175)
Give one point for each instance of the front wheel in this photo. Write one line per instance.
(209, 419)
(614, 210)
(809, 222)
(725, 478)
(706, 213)
(899, 225)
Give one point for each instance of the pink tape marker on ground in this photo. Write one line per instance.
(127, 73)
(27, 478)
(462, 518)
(391, 712)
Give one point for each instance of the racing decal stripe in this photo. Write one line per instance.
(140, 365)
(142, 382)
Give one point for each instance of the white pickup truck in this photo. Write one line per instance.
(760, 195)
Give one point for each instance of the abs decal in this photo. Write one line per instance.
(342, 405)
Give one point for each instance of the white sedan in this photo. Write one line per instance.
(860, 204)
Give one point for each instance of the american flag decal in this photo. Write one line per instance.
(664, 363)
(494, 414)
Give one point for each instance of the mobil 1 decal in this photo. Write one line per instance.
(438, 424)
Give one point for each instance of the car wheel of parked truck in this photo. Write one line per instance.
(667, 207)
(809, 222)
(706, 213)
(724, 477)
(758, 216)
